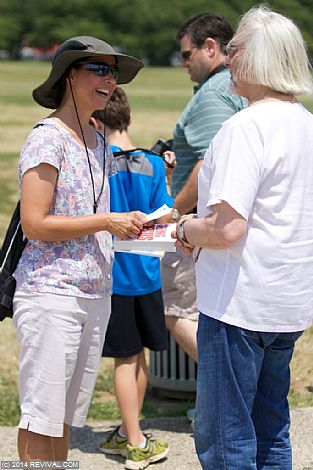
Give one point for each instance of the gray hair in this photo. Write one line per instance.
(274, 52)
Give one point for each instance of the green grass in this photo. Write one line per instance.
(102, 411)
(300, 400)
(9, 407)
(155, 103)
(9, 402)
(8, 186)
(165, 408)
(307, 101)
(104, 406)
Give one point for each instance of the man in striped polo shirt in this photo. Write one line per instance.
(202, 39)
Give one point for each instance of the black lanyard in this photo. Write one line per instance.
(96, 200)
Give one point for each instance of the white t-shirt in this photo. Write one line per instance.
(261, 164)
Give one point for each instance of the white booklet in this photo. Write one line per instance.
(163, 210)
(152, 241)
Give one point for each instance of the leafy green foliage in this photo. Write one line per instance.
(144, 28)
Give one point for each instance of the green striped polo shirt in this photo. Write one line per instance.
(203, 116)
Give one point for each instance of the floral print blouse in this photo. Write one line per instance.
(80, 267)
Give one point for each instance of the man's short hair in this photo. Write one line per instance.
(273, 52)
(206, 25)
(116, 114)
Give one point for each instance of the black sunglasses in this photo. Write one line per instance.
(101, 69)
(185, 55)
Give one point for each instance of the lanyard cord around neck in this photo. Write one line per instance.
(95, 201)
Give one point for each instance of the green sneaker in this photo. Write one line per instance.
(114, 444)
(138, 458)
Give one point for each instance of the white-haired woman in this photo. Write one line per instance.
(254, 239)
(62, 299)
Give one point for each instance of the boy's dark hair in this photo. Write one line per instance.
(207, 25)
(117, 112)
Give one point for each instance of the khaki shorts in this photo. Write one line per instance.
(61, 339)
(179, 285)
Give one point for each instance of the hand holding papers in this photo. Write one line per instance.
(151, 240)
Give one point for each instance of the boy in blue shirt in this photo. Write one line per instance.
(137, 318)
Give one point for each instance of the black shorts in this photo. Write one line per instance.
(136, 322)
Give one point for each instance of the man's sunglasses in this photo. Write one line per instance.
(101, 69)
(185, 55)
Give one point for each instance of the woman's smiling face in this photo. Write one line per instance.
(93, 86)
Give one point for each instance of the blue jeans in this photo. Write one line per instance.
(242, 415)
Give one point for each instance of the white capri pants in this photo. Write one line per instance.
(61, 340)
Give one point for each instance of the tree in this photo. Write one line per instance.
(144, 28)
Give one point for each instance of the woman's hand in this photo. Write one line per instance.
(125, 224)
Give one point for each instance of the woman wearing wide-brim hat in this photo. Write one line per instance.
(62, 300)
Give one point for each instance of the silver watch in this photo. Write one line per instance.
(180, 229)
(176, 215)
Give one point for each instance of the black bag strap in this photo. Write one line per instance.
(14, 233)
(10, 253)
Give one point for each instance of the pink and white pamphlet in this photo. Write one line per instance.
(152, 241)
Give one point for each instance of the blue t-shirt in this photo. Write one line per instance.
(139, 184)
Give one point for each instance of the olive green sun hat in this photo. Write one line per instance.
(50, 93)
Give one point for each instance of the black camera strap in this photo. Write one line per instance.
(126, 153)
